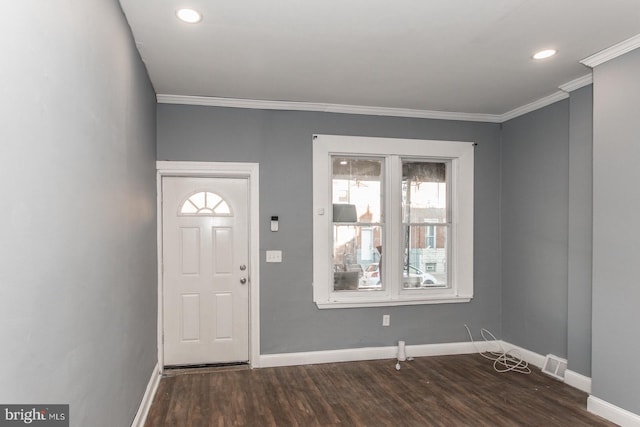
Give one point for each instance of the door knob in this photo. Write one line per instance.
(243, 267)
(243, 280)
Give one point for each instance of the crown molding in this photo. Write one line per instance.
(259, 104)
(535, 105)
(577, 83)
(325, 108)
(612, 52)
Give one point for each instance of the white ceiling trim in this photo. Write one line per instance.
(326, 108)
(542, 102)
(258, 104)
(612, 52)
(577, 83)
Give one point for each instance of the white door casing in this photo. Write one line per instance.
(206, 267)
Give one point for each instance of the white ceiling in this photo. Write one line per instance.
(465, 56)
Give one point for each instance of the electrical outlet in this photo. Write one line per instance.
(386, 320)
(274, 256)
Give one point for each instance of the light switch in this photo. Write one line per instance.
(274, 256)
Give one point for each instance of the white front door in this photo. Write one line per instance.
(205, 270)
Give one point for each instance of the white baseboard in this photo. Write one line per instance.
(528, 356)
(326, 356)
(612, 413)
(448, 349)
(578, 381)
(147, 399)
(571, 378)
(370, 353)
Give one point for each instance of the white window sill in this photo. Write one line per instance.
(445, 299)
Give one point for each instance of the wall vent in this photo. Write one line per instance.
(554, 366)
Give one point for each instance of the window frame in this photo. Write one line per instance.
(393, 151)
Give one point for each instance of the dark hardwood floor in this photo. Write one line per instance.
(430, 391)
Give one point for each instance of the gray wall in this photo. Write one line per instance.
(281, 142)
(546, 230)
(535, 192)
(616, 232)
(580, 230)
(77, 216)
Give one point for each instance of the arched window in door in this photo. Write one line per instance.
(205, 203)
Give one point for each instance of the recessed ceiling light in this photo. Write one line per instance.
(544, 54)
(189, 16)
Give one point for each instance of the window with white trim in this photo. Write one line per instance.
(204, 203)
(392, 221)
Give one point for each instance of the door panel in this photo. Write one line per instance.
(190, 317)
(190, 248)
(205, 241)
(224, 311)
(222, 259)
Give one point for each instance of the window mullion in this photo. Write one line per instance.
(452, 219)
(393, 208)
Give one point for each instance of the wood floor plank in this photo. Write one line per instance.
(443, 391)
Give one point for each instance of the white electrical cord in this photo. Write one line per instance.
(503, 361)
(402, 355)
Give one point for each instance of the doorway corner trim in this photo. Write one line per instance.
(250, 171)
